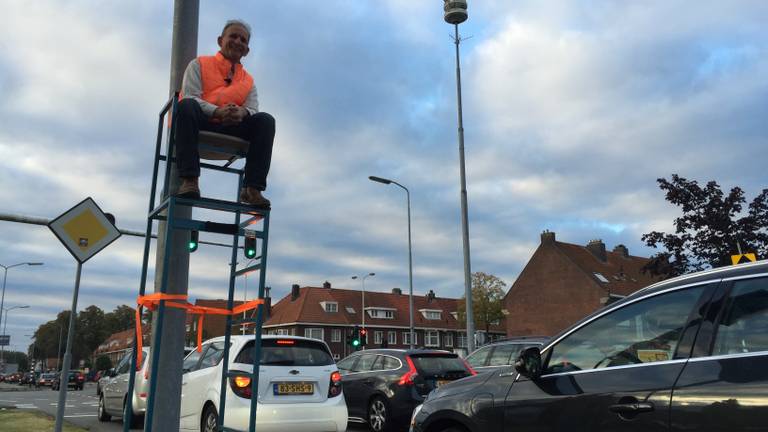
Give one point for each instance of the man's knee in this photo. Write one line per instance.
(188, 108)
(262, 120)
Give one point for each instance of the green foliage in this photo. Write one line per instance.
(487, 301)
(103, 363)
(711, 226)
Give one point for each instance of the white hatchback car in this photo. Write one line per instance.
(299, 386)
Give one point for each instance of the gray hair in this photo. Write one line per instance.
(241, 23)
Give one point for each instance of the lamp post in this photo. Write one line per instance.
(5, 326)
(455, 12)
(58, 352)
(362, 279)
(2, 298)
(410, 258)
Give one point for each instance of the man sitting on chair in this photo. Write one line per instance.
(219, 96)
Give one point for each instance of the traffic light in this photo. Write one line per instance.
(363, 337)
(356, 337)
(193, 238)
(250, 247)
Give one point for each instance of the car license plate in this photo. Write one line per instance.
(293, 388)
(441, 383)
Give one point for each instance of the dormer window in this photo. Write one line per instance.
(331, 307)
(455, 315)
(350, 310)
(431, 314)
(381, 313)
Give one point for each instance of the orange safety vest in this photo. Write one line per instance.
(213, 73)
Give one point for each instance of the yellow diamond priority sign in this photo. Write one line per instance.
(84, 230)
(743, 258)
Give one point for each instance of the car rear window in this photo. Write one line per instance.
(438, 364)
(287, 352)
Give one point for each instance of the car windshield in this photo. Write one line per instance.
(438, 364)
(287, 352)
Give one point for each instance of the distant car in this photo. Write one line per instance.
(502, 354)
(113, 398)
(76, 381)
(103, 379)
(685, 354)
(383, 386)
(299, 386)
(46, 379)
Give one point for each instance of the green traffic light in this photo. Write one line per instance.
(355, 343)
(250, 253)
(193, 239)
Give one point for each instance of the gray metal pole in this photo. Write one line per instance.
(64, 376)
(58, 352)
(464, 217)
(167, 399)
(410, 267)
(2, 302)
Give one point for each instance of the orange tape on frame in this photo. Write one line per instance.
(152, 302)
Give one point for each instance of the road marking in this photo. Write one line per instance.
(25, 406)
(7, 401)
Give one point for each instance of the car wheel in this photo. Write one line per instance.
(209, 419)
(378, 415)
(103, 416)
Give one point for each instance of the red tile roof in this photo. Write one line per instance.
(307, 308)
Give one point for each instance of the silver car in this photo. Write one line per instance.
(114, 389)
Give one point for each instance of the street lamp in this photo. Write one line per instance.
(362, 279)
(410, 258)
(455, 12)
(5, 277)
(5, 326)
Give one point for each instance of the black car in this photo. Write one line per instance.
(686, 354)
(501, 354)
(76, 381)
(383, 386)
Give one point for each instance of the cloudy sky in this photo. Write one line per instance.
(572, 110)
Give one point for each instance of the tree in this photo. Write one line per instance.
(710, 230)
(487, 301)
(103, 363)
(122, 318)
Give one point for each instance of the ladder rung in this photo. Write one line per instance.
(244, 321)
(249, 269)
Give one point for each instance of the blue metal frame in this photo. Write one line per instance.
(237, 229)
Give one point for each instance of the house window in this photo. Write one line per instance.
(455, 315)
(313, 333)
(378, 336)
(381, 313)
(330, 306)
(407, 338)
(431, 314)
(448, 339)
(462, 340)
(432, 338)
(392, 338)
(336, 335)
(350, 310)
(283, 332)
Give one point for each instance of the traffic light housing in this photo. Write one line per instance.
(250, 247)
(193, 240)
(363, 337)
(355, 338)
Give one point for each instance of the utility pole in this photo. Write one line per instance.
(164, 413)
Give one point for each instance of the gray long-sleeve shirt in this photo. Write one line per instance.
(192, 87)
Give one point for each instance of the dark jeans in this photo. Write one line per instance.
(258, 129)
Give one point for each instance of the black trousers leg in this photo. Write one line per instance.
(259, 130)
(190, 119)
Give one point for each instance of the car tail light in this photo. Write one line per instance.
(408, 377)
(469, 368)
(241, 385)
(334, 389)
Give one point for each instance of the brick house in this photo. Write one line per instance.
(331, 314)
(564, 282)
(120, 343)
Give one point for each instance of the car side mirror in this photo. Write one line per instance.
(112, 373)
(529, 363)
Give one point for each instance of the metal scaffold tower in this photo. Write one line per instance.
(246, 221)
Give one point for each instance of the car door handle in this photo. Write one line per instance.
(631, 408)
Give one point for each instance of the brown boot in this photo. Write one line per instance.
(253, 196)
(189, 188)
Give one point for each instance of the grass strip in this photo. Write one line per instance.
(16, 420)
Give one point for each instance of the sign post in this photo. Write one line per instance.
(84, 230)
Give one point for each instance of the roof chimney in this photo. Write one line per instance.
(294, 292)
(547, 236)
(597, 247)
(430, 296)
(267, 303)
(397, 291)
(327, 285)
(621, 249)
